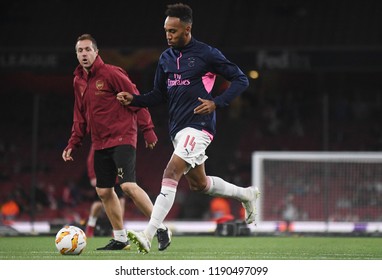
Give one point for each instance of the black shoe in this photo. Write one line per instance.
(116, 245)
(164, 238)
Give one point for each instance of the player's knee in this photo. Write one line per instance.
(104, 194)
(129, 189)
(173, 171)
(197, 186)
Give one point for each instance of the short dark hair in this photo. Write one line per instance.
(180, 10)
(87, 37)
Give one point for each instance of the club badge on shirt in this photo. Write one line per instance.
(99, 86)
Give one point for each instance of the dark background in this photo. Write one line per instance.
(227, 24)
(319, 85)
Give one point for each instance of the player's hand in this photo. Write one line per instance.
(150, 145)
(124, 97)
(66, 155)
(207, 107)
(151, 138)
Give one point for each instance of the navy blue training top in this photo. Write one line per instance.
(183, 75)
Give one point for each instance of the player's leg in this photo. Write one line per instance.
(106, 173)
(163, 204)
(113, 211)
(248, 196)
(195, 147)
(186, 153)
(124, 157)
(121, 196)
(122, 202)
(138, 196)
(216, 186)
(95, 211)
(144, 204)
(112, 206)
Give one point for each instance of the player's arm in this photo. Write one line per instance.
(149, 99)
(75, 141)
(231, 72)
(125, 98)
(146, 125)
(78, 128)
(152, 98)
(122, 84)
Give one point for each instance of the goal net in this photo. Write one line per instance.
(318, 186)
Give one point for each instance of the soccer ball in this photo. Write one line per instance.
(70, 240)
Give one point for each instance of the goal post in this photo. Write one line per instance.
(318, 186)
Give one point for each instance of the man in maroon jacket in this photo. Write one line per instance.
(113, 129)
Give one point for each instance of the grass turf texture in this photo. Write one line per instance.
(206, 248)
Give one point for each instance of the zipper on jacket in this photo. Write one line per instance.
(178, 60)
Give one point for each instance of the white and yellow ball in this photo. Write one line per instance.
(70, 240)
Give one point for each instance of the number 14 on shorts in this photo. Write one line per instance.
(190, 141)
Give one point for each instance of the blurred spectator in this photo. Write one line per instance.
(10, 210)
(70, 194)
(344, 202)
(289, 212)
(52, 197)
(220, 209)
(41, 197)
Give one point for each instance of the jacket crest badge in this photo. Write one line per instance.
(99, 84)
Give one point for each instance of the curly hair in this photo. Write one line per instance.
(180, 10)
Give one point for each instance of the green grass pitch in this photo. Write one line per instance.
(206, 248)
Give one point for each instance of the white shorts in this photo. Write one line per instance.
(190, 144)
